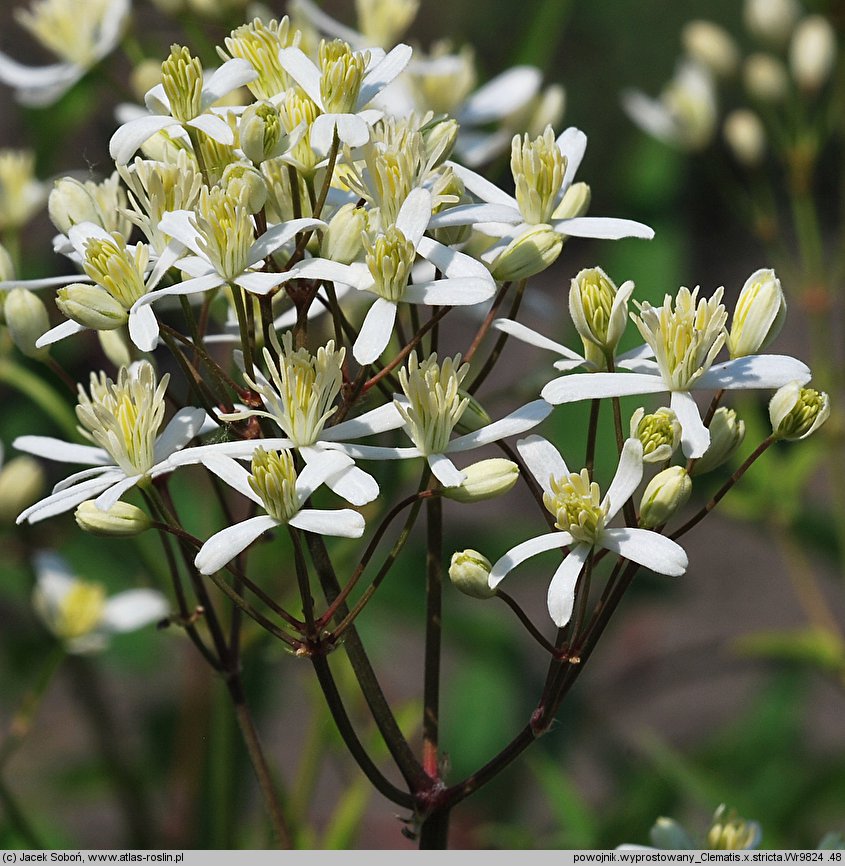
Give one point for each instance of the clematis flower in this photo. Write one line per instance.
(80, 32)
(275, 485)
(581, 517)
(78, 612)
(123, 419)
(685, 335)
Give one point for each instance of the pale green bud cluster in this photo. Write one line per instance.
(664, 496)
(575, 503)
(599, 312)
(261, 132)
(122, 520)
(26, 318)
(727, 431)
(342, 240)
(273, 478)
(260, 43)
(21, 482)
(730, 832)
(181, 78)
(468, 571)
(390, 259)
(342, 74)
(771, 20)
(528, 254)
(758, 316)
(245, 183)
(797, 412)
(485, 480)
(659, 433)
(538, 169)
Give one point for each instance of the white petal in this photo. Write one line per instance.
(143, 328)
(343, 522)
(129, 137)
(181, 428)
(320, 467)
(572, 143)
(242, 450)
(261, 282)
(351, 130)
(608, 228)
(524, 418)
(695, 437)
(83, 475)
(52, 569)
(232, 74)
(502, 95)
(302, 71)
(379, 420)
(526, 550)
(521, 332)
(375, 332)
(482, 187)
(45, 282)
(472, 214)
(628, 475)
(412, 219)
(459, 291)
(325, 269)
(214, 127)
(543, 460)
(225, 545)
(64, 452)
(755, 371)
(81, 233)
(39, 86)
(593, 386)
(651, 115)
(277, 236)
(108, 498)
(376, 452)
(231, 472)
(66, 329)
(188, 287)
(354, 485)
(383, 72)
(64, 500)
(179, 226)
(478, 148)
(561, 597)
(131, 610)
(445, 471)
(450, 262)
(647, 548)
(326, 24)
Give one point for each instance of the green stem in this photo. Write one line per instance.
(490, 363)
(36, 389)
(433, 638)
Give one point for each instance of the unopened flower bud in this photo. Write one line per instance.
(26, 317)
(664, 495)
(796, 412)
(730, 832)
(439, 138)
(474, 417)
(659, 433)
(70, 203)
(144, 76)
(485, 480)
(575, 202)
(247, 184)
(726, 434)
(116, 347)
(745, 136)
(758, 316)
(7, 267)
(342, 240)
(120, 521)
(91, 306)
(599, 312)
(765, 77)
(469, 571)
(260, 131)
(21, 483)
(527, 255)
(771, 20)
(711, 46)
(812, 52)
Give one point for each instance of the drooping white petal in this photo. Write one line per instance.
(412, 219)
(473, 214)
(189, 287)
(543, 460)
(695, 437)
(351, 130)
(225, 545)
(45, 282)
(78, 477)
(129, 137)
(450, 262)
(561, 597)
(214, 127)
(483, 188)
(39, 86)
(354, 485)
(533, 338)
(242, 450)
(64, 452)
(302, 71)
(593, 386)
(383, 72)
(232, 74)
(628, 475)
(375, 332)
(230, 471)
(608, 228)
(445, 471)
(133, 609)
(524, 418)
(343, 522)
(458, 291)
(378, 420)
(651, 549)
(64, 500)
(755, 371)
(108, 497)
(143, 328)
(502, 95)
(181, 428)
(572, 143)
(325, 269)
(323, 465)
(277, 236)
(66, 329)
(375, 452)
(526, 550)
(260, 282)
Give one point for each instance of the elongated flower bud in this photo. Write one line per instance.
(745, 136)
(797, 412)
(599, 312)
(726, 434)
(91, 306)
(758, 316)
(485, 480)
(26, 318)
(527, 255)
(21, 483)
(664, 495)
(122, 520)
(469, 571)
(712, 46)
(812, 52)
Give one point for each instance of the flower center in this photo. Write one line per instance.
(436, 402)
(685, 335)
(181, 78)
(390, 259)
(342, 74)
(80, 610)
(69, 28)
(294, 109)
(124, 417)
(121, 274)
(657, 430)
(274, 480)
(226, 231)
(260, 43)
(538, 168)
(575, 503)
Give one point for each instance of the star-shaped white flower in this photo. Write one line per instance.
(582, 518)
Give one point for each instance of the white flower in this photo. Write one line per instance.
(183, 99)
(685, 336)
(80, 32)
(387, 272)
(275, 486)
(582, 518)
(123, 419)
(78, 612)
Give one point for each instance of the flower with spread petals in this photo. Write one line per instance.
(259, 43)
(684, 335)
(275, 486)
(122, 419)
(79, 613)
(581, 517)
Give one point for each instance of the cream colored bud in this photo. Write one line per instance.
(474, 416)
(245, 183)
(730, 832)
(797, 412)
(765, 78)
(812, 52)
(711, 46)
(758, 316)
(7, 267)
(21, 482)
(342, 241)
(120, 521)
(745, 136)
(469, 571)
(575, 202)
(726, 434)
(117, 347)
(70, 202)
(529, 254)
(91, 306)
(599, 312)
(26, 318)
(144, 76)
(664, 496)
(260, 131)
(485, 480)
(439, 137)
(771, 20)
(659, 433)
